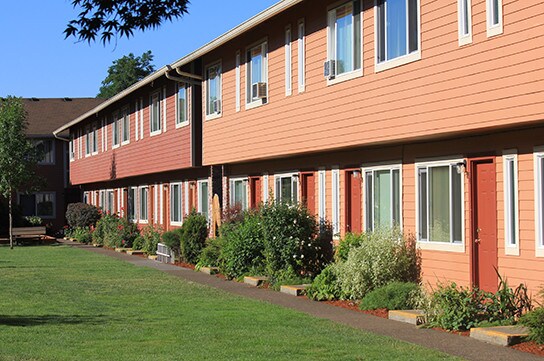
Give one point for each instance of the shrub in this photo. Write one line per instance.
(287, 277)
(33, 220)
(351, 240)
(172, 239)
(138, 243)
(507, 305)
(325, 286)
(112, 231)
(232, 215)
(243, 246)
(291, 241)
(82, 235)
(150, 238)
(393, 296)
(193, 236)
(535, 321)
(82, 215)
(211, 253)
(382, 257)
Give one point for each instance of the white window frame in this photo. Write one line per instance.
(538, 156)
(215, 115)
(71, 150)
(80, 144)
(335, 202)
(322, 194)
(288, 48)
(493, 29)
(511, 244)
(250, 101)
(400, 60)
(94, 144)
(200, 199)
(88, 141)
(232, 197)
(140, 208)
(155, 215)
(373, 168)
(181, 203)
(142, 118)
(53, 150)
(125, 121)
(157, 95)
(136, 120)
(183, 122)
(110, 202)
(238, 80)
(115, 136)
(295, 183)
(104, 134)
(439, 246)
(331, 42)
(266, 188)
(462, 6)
(164, 106)
(134, 219)
(301, 55)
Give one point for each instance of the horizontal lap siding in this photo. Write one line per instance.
(492, 82)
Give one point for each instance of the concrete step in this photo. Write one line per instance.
(122, 249)
(500, 335)
(135, 251)
(152, 257)
(294, 290)
(209, 270)
(413, 317)
(255, 280)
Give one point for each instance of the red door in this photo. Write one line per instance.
(256, 189)
(484, 227)
(308, 191)
(353, 202)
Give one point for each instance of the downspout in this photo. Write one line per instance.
(61, 138)
(186, 77)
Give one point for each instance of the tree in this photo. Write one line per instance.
(118, 18)
(18, 156)
(126, 71)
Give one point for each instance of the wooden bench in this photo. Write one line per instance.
(24, 235)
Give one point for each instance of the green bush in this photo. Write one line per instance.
(172, 239)
(243, 246)
(534, 320)
(82, 235)
(507, 305)
(82, 215)
(325, 286)
(351, 240)
(382, 257)
(138, 243)
(112, 231)
(150, 238)
(287, 277)
(193, 236)
(33, 220)
(393, 296)
(211, 253)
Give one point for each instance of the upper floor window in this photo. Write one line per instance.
(494, 17)
(71, 151)
(287, 188)
(94, 143)
(465, 21)
(182, 105)
(397, 29)
(115, 136)
(155, 112)
(125, 126)
(288, 62)
(88, 141)
(301, 56)
(46, 149)
(257, 77)
(213, 90)
(344, 42)
(382, 197)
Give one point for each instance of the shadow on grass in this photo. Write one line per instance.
(24, 321)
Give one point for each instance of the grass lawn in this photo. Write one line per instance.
(61, 303)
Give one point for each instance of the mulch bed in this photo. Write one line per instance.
(185, 265)
(353, 306)
(530, 347)
(460, 333)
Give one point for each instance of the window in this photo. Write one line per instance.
(80, 144)
(494, 17)
(238, 193)
(511, 222)
(397, 31)
(115, 138)
(203, 198)
(440, 203)
(94, 140)
(144, 192)
(104, 134)
(125, 126)
(257, 89)
(46, 149)
(176, 203)
(335, 195)
(71, 151)
(238, 80)
(344, 41)
(182, 114)
(86, 197)
(110, 201)
(465, 21)
(322, 195)
(382, 203)
(288, 62)
(266, 188)
(38, 204)
(539, 202)
(213, 90)
(301, 57)
(131, 206)
(155, 113)
(287, 188)
(88, 141)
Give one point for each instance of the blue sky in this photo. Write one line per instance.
(36, 61)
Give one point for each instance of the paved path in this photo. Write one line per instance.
(465, 347)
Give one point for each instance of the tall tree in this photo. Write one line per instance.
(119, 18)
(18, 156)
(126, 71)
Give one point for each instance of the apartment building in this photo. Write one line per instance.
(416, 113)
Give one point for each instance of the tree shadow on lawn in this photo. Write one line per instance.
(24, 321)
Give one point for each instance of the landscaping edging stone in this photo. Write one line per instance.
(500, 335)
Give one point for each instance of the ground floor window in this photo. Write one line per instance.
(38, 204)
(110, 201)
(203, 198)
(238, 193)
(382, 203)
(131, 206)
(539, 201)
(287, 188)
(143, 194)
(439, 202)
(175, 203)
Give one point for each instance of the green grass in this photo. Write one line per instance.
(61, 303)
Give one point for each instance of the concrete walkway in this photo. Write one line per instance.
(465, 347)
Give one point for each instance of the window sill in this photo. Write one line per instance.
(256, 103)
(213, 116)
(445, 247)
(539, 252)
(157, 132)
(511, 251)
(94, 153)
(465, 40)
(182, 124)
(177, 224)
(345, 77)
(401, 60)
(142, 221)
(125, 142)
(494, 30)
(115, 146)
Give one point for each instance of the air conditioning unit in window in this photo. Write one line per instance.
(258, 90)
(215, 107)
(329, 69)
